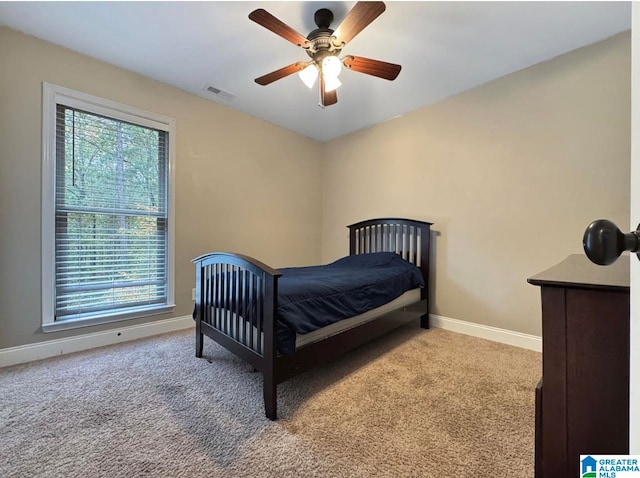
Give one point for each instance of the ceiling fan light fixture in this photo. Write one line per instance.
(324, 45)
(331, 66)
(309, 75)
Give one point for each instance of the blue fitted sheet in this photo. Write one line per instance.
(310, 298)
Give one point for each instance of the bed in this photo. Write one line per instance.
(247, 307)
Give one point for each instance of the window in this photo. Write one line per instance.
(107, 230)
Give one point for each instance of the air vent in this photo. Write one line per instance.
(222, 94)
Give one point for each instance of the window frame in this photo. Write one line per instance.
(52, 96)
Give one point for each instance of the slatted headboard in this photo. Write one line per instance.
(406, 237)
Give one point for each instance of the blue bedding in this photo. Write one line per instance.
(310, 298)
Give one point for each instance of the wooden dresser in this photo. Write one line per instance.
(582, 401)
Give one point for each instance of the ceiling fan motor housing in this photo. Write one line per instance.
(323, 18)
(320, 38)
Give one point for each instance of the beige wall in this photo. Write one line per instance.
(510, 172)
(236, 177)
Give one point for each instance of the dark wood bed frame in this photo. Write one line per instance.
(246, 292)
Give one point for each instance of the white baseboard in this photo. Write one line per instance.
(51, 348)
(526, 341)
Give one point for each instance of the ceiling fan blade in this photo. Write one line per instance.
(264, 18)
(281, 73)
(327, 98)
(361, 15)
(381, 69)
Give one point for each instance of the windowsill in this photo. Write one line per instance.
(88, 322)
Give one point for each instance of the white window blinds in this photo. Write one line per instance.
(111, 248)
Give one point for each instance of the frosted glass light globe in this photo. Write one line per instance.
(331, 83)
(309, 75)
(331, 66)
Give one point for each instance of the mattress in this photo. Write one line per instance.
(312, 298)
(408, 298)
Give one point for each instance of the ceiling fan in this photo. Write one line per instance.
(324, 45)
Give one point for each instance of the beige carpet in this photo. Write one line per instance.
(415, 403)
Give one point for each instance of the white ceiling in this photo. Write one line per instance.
(444, 48)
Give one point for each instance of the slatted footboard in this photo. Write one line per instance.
(235, 306)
